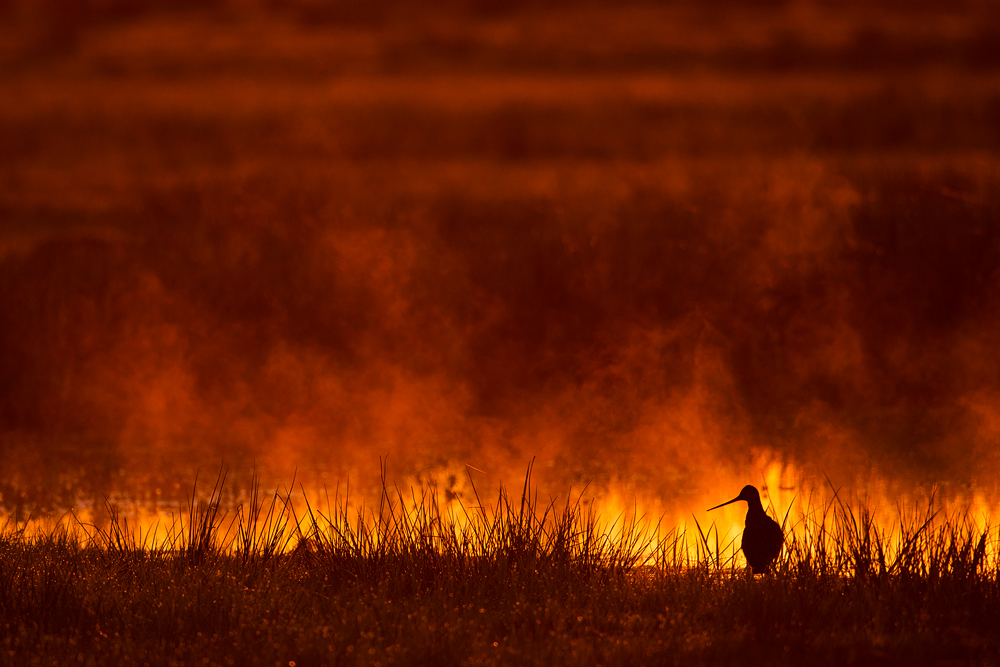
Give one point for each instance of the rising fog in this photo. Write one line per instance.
(653, 268)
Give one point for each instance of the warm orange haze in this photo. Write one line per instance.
(531, 285)
(663, 250)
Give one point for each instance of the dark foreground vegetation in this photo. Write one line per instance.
(510, 582)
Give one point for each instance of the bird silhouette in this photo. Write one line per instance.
(762, 537)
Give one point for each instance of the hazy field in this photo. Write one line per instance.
(658, 249)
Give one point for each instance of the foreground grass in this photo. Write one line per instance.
(510, 582)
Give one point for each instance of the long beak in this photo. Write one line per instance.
(724, 504)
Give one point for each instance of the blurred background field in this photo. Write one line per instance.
(660, 247)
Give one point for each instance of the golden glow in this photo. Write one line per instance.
(815, 518)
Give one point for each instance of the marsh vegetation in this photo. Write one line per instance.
(415, 581)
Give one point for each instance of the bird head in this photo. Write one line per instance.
(749, 494)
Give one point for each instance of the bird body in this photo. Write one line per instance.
(762, 537)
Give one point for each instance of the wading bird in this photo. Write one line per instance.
(762, 537)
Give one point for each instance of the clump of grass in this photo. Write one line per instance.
(412, 580)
